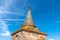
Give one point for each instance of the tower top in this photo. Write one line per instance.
(28, 25)
(29, 20)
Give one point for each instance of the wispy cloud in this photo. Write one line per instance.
(7, 12)
(6, 5)
(6, 33)
(4, 29)
(14, 19)
(5, 9)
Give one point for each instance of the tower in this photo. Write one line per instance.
(28, 30)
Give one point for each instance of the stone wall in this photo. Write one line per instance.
(23, 35)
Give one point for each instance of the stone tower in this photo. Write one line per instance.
(28, 30)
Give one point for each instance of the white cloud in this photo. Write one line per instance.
(15, 19)
(8, 12)
(6, 33)
(4, 12)
(4, 29)
(51, 39)
(6, 4)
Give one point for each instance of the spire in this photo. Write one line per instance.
(29, 24)
(29, 20)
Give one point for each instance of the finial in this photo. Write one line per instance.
(29, 8)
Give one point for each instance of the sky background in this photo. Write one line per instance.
(46, 15)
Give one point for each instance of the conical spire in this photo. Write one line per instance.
(29, 20)
(29, 24)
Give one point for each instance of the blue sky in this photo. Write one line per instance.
(46, 15)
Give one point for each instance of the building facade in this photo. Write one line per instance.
(28, 30)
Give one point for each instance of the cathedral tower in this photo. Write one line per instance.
(28, 30)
